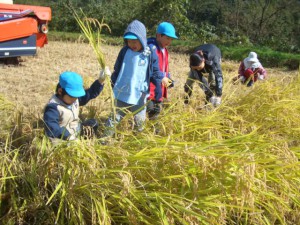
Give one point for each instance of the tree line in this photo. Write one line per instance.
(271, 23)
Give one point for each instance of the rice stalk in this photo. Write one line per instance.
(92, 28)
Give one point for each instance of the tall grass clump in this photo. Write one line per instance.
(91, 28)
(6, 110)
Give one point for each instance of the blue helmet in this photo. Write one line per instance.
(72, 83)
(130, 36)
(166, 29)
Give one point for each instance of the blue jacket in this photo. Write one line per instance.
(153, 73)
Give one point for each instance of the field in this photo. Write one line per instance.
(31, 84)
(236, 164)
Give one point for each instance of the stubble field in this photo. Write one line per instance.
(31, 84)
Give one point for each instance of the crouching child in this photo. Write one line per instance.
(251, 70)
(61, 114)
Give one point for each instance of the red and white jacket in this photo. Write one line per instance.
(163, 60)
(246, 69)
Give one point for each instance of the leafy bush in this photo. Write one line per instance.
(267, 56)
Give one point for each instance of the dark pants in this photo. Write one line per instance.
(153, 109)
(207, 85)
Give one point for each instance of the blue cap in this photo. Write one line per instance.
(131, 36)
(166, 29)
(72, 83)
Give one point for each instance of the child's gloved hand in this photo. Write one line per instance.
(242, 79)
(166, 81)
(212, 100)
(215, 101)
(261, 77)
(218, 101)
(103, 74)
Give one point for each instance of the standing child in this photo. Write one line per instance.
(136, 65)
(251, 70)
(61, 114)
(165, 34)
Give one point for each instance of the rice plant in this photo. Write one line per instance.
(91, 29)
(236, 164)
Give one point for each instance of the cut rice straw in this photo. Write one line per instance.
(92, 28)
(93, 35)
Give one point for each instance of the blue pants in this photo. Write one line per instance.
(122, 109)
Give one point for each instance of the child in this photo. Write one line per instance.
(165, 33)
(251, 69)
(61, 114)
(206, 59)
(136, 65)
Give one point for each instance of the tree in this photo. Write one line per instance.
(173, 11)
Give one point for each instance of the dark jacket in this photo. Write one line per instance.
(212, 55)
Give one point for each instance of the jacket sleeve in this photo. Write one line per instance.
(156, 75)
(262, 71)
(157, 90)
(241, 69)
(91, 93)
(216, 67)
(118, 65)
(51, 120)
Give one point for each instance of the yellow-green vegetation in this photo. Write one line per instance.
(6, 109)
(91, 29)
(236, 164)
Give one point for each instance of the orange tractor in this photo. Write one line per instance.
(23, 28)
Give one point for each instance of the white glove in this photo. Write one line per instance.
(261, 77)
(212, 100)
(103, 74)
(215, 101)
(242, 79)
(218, 101)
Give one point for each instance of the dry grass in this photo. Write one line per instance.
(31, 84)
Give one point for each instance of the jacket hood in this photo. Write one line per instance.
(138, 28)
(250, 64)
(252, 61)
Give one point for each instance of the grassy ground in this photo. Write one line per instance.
(237, 164)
